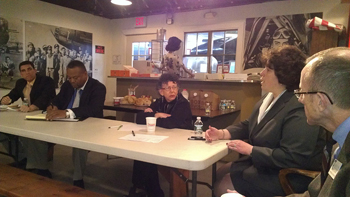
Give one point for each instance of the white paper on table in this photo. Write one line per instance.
(144, 138)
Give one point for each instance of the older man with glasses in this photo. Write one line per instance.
(325, 93)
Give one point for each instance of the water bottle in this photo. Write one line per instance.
(185, 93)
(198, 127)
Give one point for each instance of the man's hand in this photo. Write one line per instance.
(6, 100)
(55, 114)
(25, 108)
(161, 115)
(50, 108)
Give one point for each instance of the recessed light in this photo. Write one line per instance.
(121, 2)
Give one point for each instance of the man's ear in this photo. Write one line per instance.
(322, 101)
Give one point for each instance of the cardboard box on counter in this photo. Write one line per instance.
(195, 98)
(200, 76)
(214, 76)
(120, 73)
(209, 97)
(233, 76)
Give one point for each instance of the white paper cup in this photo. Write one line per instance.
(232, 195)
(151, 124)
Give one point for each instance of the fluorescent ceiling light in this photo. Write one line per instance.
(121, 2)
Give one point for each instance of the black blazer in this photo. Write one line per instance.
(180, 110)
(43, 91)
(282, 139)
(91, 101)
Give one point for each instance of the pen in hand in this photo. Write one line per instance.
(133, 133)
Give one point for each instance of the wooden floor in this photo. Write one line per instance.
(110, 177)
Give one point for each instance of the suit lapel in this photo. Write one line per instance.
(277, 107)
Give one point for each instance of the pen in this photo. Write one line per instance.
(111, 127)
(133, 133)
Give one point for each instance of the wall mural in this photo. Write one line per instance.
(51, 48)
(11, 51)
(263, 33)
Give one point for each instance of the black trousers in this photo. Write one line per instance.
(145, 176)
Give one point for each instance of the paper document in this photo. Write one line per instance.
(43, 117)
(144, 138)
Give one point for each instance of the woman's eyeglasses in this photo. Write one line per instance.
(171, 88)
(298, 94)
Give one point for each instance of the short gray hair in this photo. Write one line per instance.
(330, 73)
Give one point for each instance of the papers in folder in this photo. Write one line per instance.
(43, 117)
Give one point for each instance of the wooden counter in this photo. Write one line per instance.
(245, 93)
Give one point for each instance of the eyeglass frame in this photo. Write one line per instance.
(169, 88)
(298, 94)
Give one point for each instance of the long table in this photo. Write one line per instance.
(93, 134)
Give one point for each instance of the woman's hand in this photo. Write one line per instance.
(148, 110)
(240, 146)
(161, 115)
(212, 134)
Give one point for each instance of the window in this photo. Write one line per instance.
(141, 51)
(212, 51)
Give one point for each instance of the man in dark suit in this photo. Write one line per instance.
(325, 92)
(38, 91)
(80, 97)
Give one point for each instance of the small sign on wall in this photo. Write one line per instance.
(141, 21)
(99, 49)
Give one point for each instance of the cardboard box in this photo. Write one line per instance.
(209, 97)
(233, 76)
(194, 98)
(120, 73)
(215, 76)
(200, 76)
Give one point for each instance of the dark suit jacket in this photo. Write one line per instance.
(43, 91)
(340, 186)
(180, 110)
(91, 101)
(282, 139)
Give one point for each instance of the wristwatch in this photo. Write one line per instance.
(67, 114)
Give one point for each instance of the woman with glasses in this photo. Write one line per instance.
(276, 134)
(171, 62)
(172, 110)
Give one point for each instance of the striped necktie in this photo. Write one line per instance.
(26, 92)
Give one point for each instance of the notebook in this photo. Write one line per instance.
(43, 117)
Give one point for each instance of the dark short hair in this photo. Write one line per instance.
(165, 78)
(330, 73)
(287, 61)
(77, 64)
(25, 63)
(173, 44)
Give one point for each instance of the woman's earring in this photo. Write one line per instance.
(162, 98)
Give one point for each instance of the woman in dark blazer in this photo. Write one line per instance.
(276, 134)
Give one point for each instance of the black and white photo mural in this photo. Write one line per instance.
(11, 51)
(51, 48)
(263, 33)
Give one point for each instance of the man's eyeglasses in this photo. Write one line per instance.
(175, 88)
(298, 94)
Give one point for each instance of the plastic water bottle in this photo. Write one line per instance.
(185, 93)
(198, 127)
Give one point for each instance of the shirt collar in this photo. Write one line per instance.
(82, 88)
(341, 132)
(31, 83)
